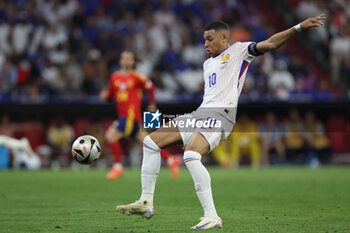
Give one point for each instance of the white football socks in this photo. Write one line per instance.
(201, 178)
(150, 169)
(118, 166)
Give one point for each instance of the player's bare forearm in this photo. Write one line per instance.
(278, 39)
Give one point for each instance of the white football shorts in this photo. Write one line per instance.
(212, 132)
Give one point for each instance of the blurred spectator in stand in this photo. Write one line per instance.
(164, 16)
(5, 44)
(145, 52)
(55, 11)
(191, 79)
(271, 139)
(317, 143)
(260, 80)
(296, 66)
(248, 89)
(22, 153)
(20, 34)
(301, 73)
(73, 73)
(170, 59)
(346, 71)
(89, 30)
(281, 54)
(294, 138)
(55, 36)
(340, 51)
(321, 92)
(240, 33)
(192, 56)
(192, 53)
(281, 81)
(243, 141)
(59, 56)
(166, 86)
(53, 78)
(260, 27)
(223, 155)
(24, 72)
(95, 73)
(157, 36)
(299, 91)
(60, 135)
(8, 75)
(7, 127)
(34, 93)
(306, 9)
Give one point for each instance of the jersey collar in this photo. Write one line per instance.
(221, 52)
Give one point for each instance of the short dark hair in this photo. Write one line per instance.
(217, 25)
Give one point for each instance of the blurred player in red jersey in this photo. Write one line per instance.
(125, 88)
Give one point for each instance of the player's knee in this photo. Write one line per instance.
(149, 144)
(202, 150)
(199, 144)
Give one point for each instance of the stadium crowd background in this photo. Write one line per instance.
(65, 50)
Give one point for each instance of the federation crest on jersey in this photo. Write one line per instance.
(225, 58)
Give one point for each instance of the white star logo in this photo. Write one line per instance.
(155, 115)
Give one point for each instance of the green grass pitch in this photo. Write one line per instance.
(267, 200)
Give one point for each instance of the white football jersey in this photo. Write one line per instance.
(224, 76)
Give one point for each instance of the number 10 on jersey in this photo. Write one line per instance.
(212, 79)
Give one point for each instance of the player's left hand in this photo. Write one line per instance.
(313, 22)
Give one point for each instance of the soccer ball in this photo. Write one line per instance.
(86, 149)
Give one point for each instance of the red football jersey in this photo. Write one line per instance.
(127, 90)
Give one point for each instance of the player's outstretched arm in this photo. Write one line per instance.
(278, 39)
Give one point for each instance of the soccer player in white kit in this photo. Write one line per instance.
(224, 75)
